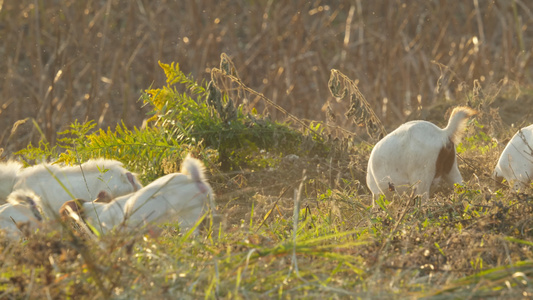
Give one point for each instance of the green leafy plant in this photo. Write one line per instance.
(479, 141)
(213, 118)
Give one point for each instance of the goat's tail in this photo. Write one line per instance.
(457, 122)
(196, 170)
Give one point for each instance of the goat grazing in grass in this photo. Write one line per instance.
(56, 185)
(20, 215)
(416, 155)
(181, 197)
(516, 161)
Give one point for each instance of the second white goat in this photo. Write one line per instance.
(516, 161)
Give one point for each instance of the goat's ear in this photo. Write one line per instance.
(132, 179)
(103, 197)
(75, 205)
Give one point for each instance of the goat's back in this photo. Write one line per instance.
(178, 197)
(52, 182)
(171, 197)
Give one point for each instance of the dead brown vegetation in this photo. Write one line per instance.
(67, 60)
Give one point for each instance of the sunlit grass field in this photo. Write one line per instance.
(283, 104)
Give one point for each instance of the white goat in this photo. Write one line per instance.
(415, 155)
(516, 161)
(20, 215)
(9, 172)
(181, 197)
(51, 182)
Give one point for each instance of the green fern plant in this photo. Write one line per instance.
(148, 151)
(214, 119)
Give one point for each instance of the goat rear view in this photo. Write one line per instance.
(416, 155)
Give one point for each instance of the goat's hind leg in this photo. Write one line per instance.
(422, 186)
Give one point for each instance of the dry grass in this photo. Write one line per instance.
(473, 243)
(89, 60)
(70, 60)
